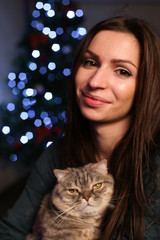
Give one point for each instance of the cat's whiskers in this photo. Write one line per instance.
(79, 221)
(64, 215)
(82, 223)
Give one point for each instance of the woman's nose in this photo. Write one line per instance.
(99, 79)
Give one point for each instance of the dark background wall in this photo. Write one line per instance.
(97, 10)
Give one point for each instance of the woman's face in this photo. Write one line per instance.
(106, 79)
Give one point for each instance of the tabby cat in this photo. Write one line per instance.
(74, 210)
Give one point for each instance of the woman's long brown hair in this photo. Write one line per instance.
(134, 152)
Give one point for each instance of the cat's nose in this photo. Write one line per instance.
(86, 195)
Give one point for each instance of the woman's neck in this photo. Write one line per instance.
(106, 136)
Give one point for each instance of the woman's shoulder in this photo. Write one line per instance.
(54, 148)
(50, 156)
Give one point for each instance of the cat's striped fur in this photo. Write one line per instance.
(75, 208)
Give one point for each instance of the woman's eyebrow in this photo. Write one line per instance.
(92, 53)
(124, 61)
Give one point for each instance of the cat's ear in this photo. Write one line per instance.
(101, 166)
(60, 174)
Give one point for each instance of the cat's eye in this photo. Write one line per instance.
(73, 191)
(97, 186)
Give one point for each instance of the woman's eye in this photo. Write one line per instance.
(124, 72)
(89, 63)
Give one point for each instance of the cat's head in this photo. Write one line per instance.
(86, 191)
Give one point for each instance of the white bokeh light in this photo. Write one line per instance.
(6, 130)
(55, 47)
(51, 13)
(70, 14)
(51, 65)
(47, 6)
(36, 53)
(39, 5)
(48, 96)
(24, 139)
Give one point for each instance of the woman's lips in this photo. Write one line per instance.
(92, 100)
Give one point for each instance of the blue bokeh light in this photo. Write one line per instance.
(59, 31)
(66, 49)
(11, 106)
(13, 157)
(15, 91)
(43, 115)
(51, 77)
(43, 70)
(66, 2)
(47, 121)
(29, 135)
(32, 66)
(54, 119)
(31, 113)
(22, 76)
(26, 102)
(79, 13)
(33, 102)
(11, 84)
(75, 34)
(38, 122)
(35, 13)
(66, 71)
(10, 139)
(58, 100)
(34, 23)
(21, 85)
(82, 31)
(62, 116)
(39, 26)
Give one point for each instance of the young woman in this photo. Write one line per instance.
(114, 113)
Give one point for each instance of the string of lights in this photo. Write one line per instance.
(37, 111)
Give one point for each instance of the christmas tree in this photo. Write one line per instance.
(36, 114)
